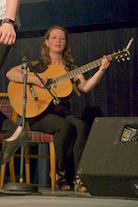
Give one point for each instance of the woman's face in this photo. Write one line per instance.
(56, 41)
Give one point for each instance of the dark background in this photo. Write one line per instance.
(96, 28)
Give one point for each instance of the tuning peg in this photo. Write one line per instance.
(123, 59)
(128, 58)
(117, 59)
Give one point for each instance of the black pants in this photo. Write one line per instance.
(7, 127)
(70, 135)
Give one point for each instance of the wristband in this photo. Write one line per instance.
(8, 21)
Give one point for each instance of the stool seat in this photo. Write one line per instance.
(40, 137)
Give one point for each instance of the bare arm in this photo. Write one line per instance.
(87, 85)
(16, 75)
(7, 32)
(11, 7)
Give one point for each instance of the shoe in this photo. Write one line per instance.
(61, 183)
(10, 147)
(78, 185)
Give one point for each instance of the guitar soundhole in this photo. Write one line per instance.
(51, 83)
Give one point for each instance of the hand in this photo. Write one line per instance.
(7, 34)
(105, 64)
(39, 83)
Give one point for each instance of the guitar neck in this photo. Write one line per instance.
(82, 69)
(119, 55)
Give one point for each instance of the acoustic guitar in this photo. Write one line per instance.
(59, 86)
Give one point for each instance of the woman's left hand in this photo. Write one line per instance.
(105, 64)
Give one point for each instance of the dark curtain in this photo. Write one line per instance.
(116, 93)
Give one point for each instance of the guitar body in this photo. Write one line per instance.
(36, 107)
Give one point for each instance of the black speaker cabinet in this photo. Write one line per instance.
(109, 163)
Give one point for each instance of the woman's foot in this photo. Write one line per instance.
(11, 144)
(15, 134)
(78, 185)
(61, 182)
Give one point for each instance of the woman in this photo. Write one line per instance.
(14, 135)
(70, 133)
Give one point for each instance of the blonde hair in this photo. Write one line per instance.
(67, 58)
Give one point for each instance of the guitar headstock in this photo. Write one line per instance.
(124, 54)
(121, 55)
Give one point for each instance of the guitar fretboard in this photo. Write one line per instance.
(82, 69)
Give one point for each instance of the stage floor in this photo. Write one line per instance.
(48, 198)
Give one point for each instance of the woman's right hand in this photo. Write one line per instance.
(7, 34)
(39, 83)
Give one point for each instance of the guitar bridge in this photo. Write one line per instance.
(32, 90)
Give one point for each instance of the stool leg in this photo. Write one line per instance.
(2, 175)
(12, 170)
(53, 166)
(27, 164)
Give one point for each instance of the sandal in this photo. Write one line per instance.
(61, 183)
(78, 185)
